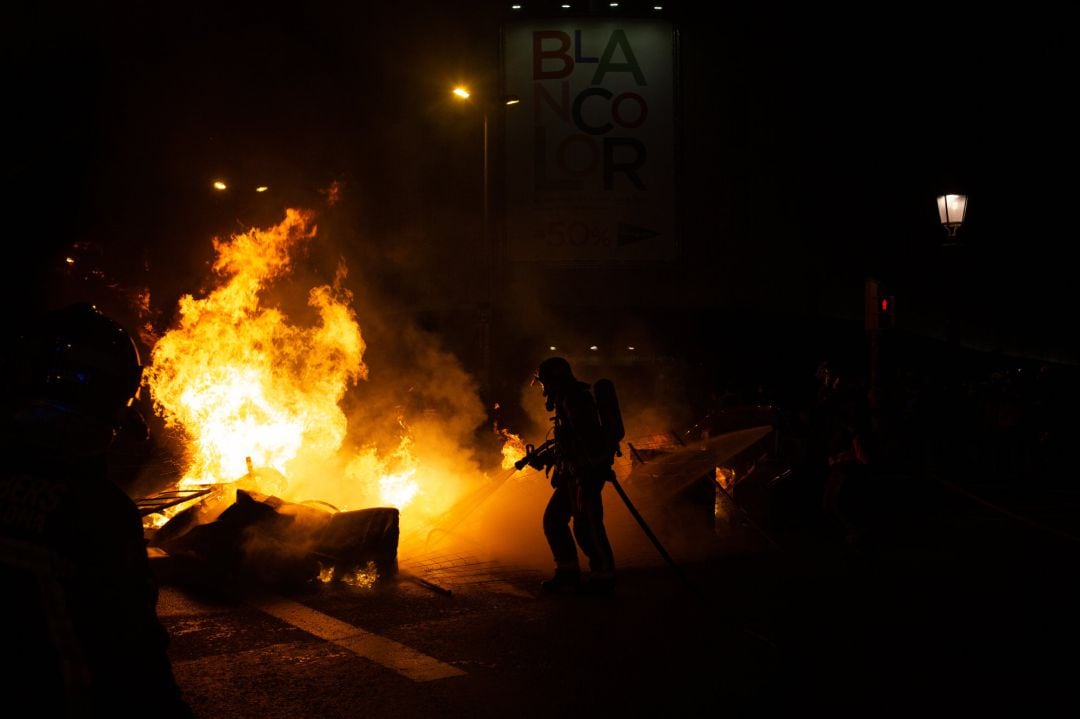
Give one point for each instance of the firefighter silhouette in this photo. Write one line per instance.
(582, 465)
(81, 632)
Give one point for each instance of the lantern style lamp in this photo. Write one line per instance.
(951, 209)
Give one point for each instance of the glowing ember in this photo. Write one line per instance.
(364, 578)
(725, 477)
(333, 193)
(361, 577)
(725, 480)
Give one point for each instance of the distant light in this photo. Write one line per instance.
(884, 304)
(553, 348)
(631, 348)
(515, 7)
(462, 93)
(219, 185)
(513, 100)
(614, 4)
(69, 260)
(566, 6)
(657, 7)
(261, 188)
(594, 348)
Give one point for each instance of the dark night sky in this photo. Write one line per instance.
(815, 136)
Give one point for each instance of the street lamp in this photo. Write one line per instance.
(463, 94)
(951, 209)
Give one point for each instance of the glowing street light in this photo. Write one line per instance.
(951, 210)
(219, 185)
(462, 93)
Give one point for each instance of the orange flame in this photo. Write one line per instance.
(512, 450)
(242, 381)
(258, 396)
(361, 577)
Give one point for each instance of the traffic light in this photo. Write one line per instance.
(886, 311)
(880, 306)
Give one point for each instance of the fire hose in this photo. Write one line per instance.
(543, 457)
(645, 528)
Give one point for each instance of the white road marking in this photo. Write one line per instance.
(392, 655)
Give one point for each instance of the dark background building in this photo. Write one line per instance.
(811, 144)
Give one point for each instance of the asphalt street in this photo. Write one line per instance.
(955, 606)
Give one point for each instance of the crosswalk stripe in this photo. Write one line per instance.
(392, 655)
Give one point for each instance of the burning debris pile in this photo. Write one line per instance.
(274, 486)
(271, 541)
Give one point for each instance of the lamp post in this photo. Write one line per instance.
(463, 93)
(951, 211)
(487, 239)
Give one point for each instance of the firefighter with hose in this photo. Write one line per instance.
(579, 458)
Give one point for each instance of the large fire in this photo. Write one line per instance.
(241, 380)
(257, 396)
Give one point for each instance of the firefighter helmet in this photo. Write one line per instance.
(554, 372)
(78, 357)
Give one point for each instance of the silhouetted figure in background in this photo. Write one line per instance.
(81, 636)
(583, 464)
(816, 426)
(843, 435)
(1055, 425)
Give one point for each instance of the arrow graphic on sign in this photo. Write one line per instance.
(629, 234)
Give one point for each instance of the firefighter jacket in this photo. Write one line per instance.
(81, 634)
(580, 445)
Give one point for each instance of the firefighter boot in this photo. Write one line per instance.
(599, 585)
(563, 579)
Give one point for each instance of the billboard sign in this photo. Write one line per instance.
(590, 148)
